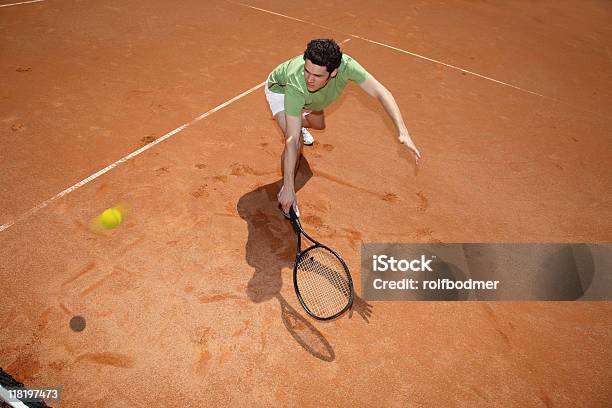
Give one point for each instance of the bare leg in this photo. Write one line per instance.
(314, 120)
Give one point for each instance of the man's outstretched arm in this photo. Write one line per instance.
(289, 162)
(374, 88)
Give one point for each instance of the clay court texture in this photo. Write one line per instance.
(158, 106)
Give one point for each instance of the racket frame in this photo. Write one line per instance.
(316, 244)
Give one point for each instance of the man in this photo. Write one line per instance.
(299, 89)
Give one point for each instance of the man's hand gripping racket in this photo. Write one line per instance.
(321, 279)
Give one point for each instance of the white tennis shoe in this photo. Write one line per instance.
(308, 139)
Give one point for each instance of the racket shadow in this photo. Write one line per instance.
(270, 248)
(304, 332)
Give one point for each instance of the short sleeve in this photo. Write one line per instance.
(294, 102)
(355, 71)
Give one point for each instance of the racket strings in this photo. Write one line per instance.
(323, 282)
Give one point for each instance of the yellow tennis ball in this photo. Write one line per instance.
(111, 218)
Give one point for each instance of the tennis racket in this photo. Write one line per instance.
(321, 279)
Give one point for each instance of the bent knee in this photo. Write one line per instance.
(315, 120)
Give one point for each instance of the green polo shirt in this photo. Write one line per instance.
(288, 79)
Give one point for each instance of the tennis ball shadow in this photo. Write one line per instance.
(77, 323)
(270, 245)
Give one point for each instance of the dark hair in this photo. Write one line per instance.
(324, 52)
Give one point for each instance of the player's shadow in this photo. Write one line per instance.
(271, 242)
(270, 248)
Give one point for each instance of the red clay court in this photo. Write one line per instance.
(159, 106)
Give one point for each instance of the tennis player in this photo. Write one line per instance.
(299, 89)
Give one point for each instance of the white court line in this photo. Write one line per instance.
(453, 67)
(398, 49)
(283, 15)
(129, 156)
(124, 159)
(23, 2)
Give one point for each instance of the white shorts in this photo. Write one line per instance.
(276, 101)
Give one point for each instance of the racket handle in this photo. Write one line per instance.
(295, 220)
